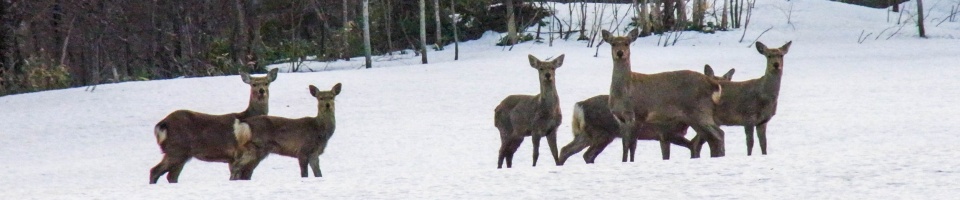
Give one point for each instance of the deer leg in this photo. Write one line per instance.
(664, 143)
(552, 142)
(598, 146)
(629, 139)
(536, 148)
(161, 168)
(762, 135)
(504, 146)
(749, 131)
(250, 163)
(175, 167)
(578, 144)
(514, 145)
(303, 165)
(315, 164)
(696, 144)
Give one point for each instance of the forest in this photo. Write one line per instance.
(51, 44)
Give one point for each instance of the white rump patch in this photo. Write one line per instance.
(161, 134)
(578, 120)
(241, 131)
(716, 95)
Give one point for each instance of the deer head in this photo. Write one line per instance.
(707, 70)
(325, 99)
(547, 69)
(259, 86)
(774, 56)
(620, 46)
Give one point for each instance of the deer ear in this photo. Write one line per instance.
(606, 35)
(336, 89)
(314, 91)
(557, 62)
(729, 75)
(272, 75)
(245, 77)
(707, 70)
(785, 47)
(533, 60)
(633, 35)
(761, 48)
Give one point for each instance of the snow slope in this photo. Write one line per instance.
(856, 120)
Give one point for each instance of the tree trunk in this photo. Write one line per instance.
(345, 53)
(723, 19)
(241, 49)
(583, 20)
(366, 32)
(920, 18)
(388, 25)
(436, 14)
(511, 24)
(456, 35)
(896, 6)
(423, 32)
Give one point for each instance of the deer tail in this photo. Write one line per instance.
(242, 132)
(578, 120)
(160, 131)
(717, 92)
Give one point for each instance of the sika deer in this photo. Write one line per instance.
(594, 127)
(185, 134)
(304, 138)
(752, 103)
(663, 99)
(519, 116)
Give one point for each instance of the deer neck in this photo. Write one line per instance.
(770, 83)
(255, 108)
(621, 77)
(326, 117)
(548, 95)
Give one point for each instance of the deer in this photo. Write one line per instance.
(537, 116)
(752, 103)
(663, 100)
(304, 138)
(593, 126)
(185, 134)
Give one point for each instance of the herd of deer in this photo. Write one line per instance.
(659, 106)
(640, 107)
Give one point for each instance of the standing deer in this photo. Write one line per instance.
(663, 99)
(519, 116)
(594, 126)
(185, 134)
(752, 103)
(304, 138)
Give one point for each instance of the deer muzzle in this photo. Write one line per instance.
(619, 54)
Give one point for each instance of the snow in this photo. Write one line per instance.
(856, 120)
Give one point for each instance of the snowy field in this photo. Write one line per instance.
(856, 120)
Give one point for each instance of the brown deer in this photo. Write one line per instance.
(594, 127)
(303, 138)
(519, 116)
(664, 99)
(185, 134)
(752, 103)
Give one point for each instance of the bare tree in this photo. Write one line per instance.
(436, 14)
(920, 18)
(388, 24)
(346, 32)
(366, 32)
(423, 32)
(456, 37)
(511, 24)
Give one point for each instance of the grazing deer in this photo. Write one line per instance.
(752, 103)
(663, 99)
(594, 127)
(185, 134)
(519, 116)
(304, 138)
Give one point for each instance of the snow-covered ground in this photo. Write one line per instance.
(856, 120)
